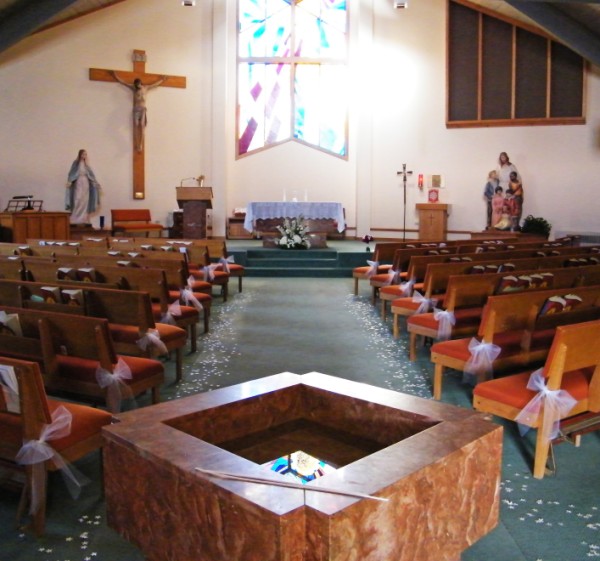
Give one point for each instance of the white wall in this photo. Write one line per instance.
(49, 109)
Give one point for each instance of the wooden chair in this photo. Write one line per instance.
(133, 221)
(573, 365)
(25, 419)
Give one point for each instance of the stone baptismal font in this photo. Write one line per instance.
(404, 478)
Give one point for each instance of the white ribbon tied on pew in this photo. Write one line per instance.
(425, 304)
(406, 288)
(446, 321)
(151, 341)
(113, 381)
(480, 365)
(392, 277)
(373, 268)
(38, 451)
(173, 311)
(556, 404)
(187, 295)
(209, 271)
(224, 262)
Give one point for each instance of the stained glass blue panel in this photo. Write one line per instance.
(264, 28)
(318, 38)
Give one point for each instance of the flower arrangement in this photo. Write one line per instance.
(368, 239)
(293, 234)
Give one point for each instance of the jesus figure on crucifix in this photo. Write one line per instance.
(140, 119)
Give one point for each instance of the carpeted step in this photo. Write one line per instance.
(324, 263)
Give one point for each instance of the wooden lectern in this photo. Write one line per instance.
(433, 221)
(194, 201)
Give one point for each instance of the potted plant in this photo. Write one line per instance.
(537, 226)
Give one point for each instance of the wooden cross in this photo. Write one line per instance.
(128, 77)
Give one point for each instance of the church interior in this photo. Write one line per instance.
(397, 108)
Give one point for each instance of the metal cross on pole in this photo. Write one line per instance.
(404, 175)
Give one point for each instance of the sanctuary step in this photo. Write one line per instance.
(298, 262)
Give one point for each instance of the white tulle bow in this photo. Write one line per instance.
(224, 262)
(425, 304)
(446, 321)
(209, 271)
(480, 364)
(406, 288)
(38, 451)
(151, 341)
(373, 268)
(556, 404)
(173, 311)
(392, 277)
(115, 383)
(187, 295)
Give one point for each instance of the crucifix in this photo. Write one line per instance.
(139, 82)
(404, 175)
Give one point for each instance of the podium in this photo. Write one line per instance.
(433, 221)
(194, 201)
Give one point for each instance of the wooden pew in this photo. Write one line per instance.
(26, 422)
(217, 250)
(437, 276)
(150, 280)
(176, 270)
(573, 365)
(90, 241)
(416, 265)
(11, 267)
(129, 313)
(466, 296)
(71, 347)
(383, 254)
(515, 324)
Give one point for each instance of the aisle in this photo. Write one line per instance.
(299, 326)
(302, 325)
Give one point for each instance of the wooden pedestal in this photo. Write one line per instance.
(433, 221)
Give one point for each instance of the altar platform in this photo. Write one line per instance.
(336, 260)
(435, 468)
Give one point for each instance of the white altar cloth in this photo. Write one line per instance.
(256, 211)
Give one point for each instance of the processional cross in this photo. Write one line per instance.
(404, 173)
(139, 82)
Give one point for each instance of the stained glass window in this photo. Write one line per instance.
(292, 74)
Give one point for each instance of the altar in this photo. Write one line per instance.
(292, 209)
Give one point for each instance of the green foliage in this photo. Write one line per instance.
(536, 225)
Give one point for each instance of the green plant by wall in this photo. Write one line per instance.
(536, 225)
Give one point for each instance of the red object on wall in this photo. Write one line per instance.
(420, 183)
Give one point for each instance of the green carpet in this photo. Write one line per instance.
(303, 325)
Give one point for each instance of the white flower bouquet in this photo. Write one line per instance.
(293, 234)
